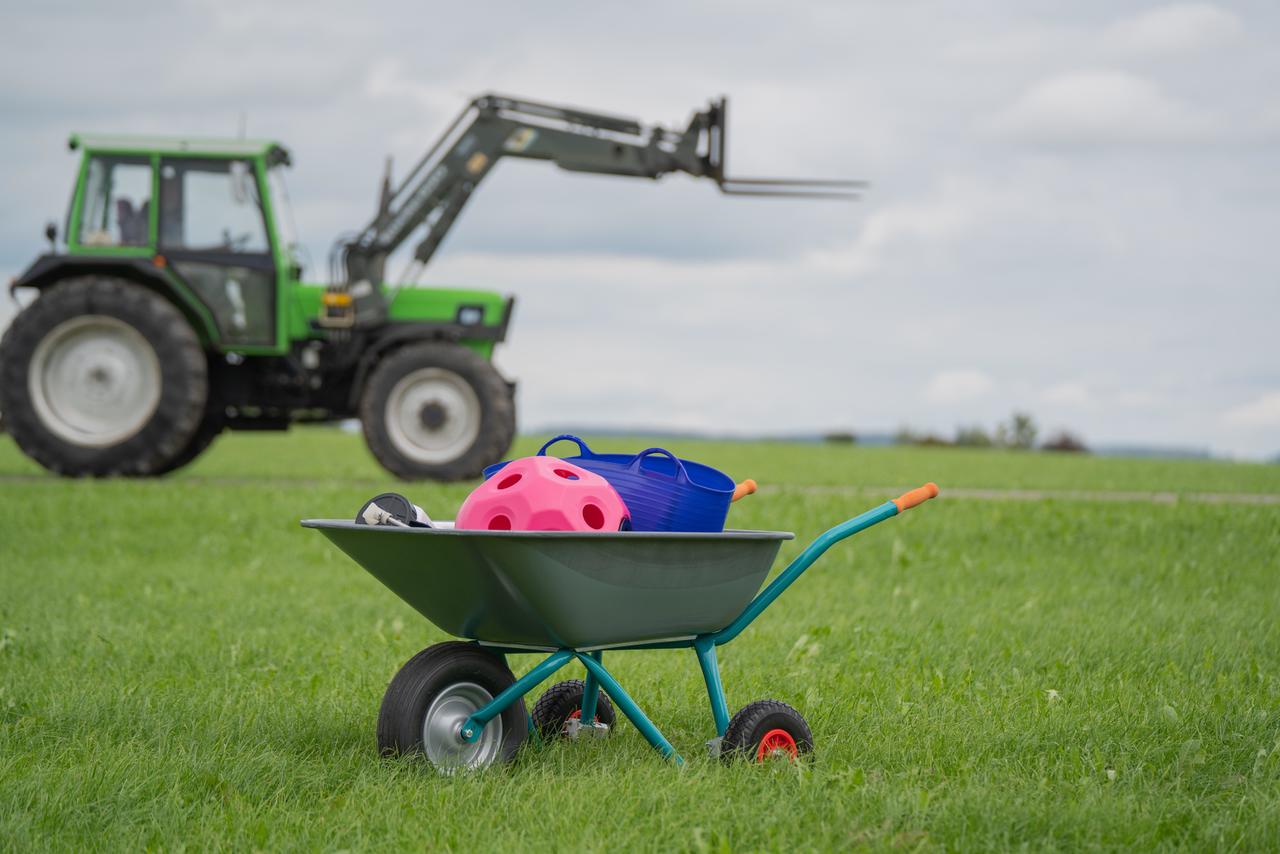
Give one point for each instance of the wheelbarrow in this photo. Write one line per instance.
(574, 595)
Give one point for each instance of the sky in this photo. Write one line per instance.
(1074, 206)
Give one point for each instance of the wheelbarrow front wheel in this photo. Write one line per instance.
(434, 693)
(764, 730)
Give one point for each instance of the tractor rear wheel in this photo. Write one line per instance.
(437, 410)
(211, 426)
(99, 377)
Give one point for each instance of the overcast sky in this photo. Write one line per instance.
(1075, 207)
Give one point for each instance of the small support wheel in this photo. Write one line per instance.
(434, 693)
(764, 730)
(562, 702)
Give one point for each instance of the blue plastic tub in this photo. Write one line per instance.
(662, 492)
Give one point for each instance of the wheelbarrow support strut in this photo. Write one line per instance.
(704, 646)
(473, 726)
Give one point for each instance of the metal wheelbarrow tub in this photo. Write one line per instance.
(564, 589)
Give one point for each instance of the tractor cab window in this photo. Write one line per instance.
(286, 228)
(116, 207)
(215, 239)
(211, 206)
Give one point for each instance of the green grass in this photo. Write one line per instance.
(332, 455)
(182, 666)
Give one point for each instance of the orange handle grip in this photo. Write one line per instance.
(743, 489)
(919, 495)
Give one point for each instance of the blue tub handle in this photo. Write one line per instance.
(681, 475)
(582, 446)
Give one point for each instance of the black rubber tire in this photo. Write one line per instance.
(212, 423)
(412, 689)
(754, 721)
(497, 411)
(210, 428)
(558, 703)
(183, 376)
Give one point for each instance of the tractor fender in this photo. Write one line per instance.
(48, 270)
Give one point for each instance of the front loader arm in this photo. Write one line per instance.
(492, 127)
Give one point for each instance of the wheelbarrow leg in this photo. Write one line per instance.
(629, 708)
(705, 647)
(591, 691)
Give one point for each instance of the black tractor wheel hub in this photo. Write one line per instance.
(433, 415)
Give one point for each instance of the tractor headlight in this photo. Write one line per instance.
(470, 315)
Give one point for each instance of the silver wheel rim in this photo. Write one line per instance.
(94, 381)
(433, 415)
(442, 729)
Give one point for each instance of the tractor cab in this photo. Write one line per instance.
(201, 212)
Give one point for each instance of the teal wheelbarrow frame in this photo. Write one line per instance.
(496, 604)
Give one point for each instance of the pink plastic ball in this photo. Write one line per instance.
(543, 494)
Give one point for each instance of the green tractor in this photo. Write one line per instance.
(178, 309)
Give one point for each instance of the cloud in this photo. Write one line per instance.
(1027, 44)
(387, 81)
(1261, 413)
(958, 206)
(1072, 394)
(1101, 107)
(1178, 28)
(1121, 264)
(948, 387)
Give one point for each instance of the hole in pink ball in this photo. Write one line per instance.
(593, 516)
(566, 474)
(509, 481)
(500, 522)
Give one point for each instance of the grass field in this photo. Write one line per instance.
(182, 666)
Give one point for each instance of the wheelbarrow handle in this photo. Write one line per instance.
(815, 550)
(916, 497)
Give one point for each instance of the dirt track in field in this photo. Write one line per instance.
(953, 493)
(1093, 495)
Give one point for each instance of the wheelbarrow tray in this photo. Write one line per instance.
(557, 589)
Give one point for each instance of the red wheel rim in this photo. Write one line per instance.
(777, 741)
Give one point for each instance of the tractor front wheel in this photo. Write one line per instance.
(437, 410)
(100, 376)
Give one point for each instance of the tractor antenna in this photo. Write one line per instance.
(244, 123)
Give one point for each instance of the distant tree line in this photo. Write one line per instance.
(1019, 432)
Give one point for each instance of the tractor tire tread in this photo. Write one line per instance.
(497, 419)
(183, 372)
